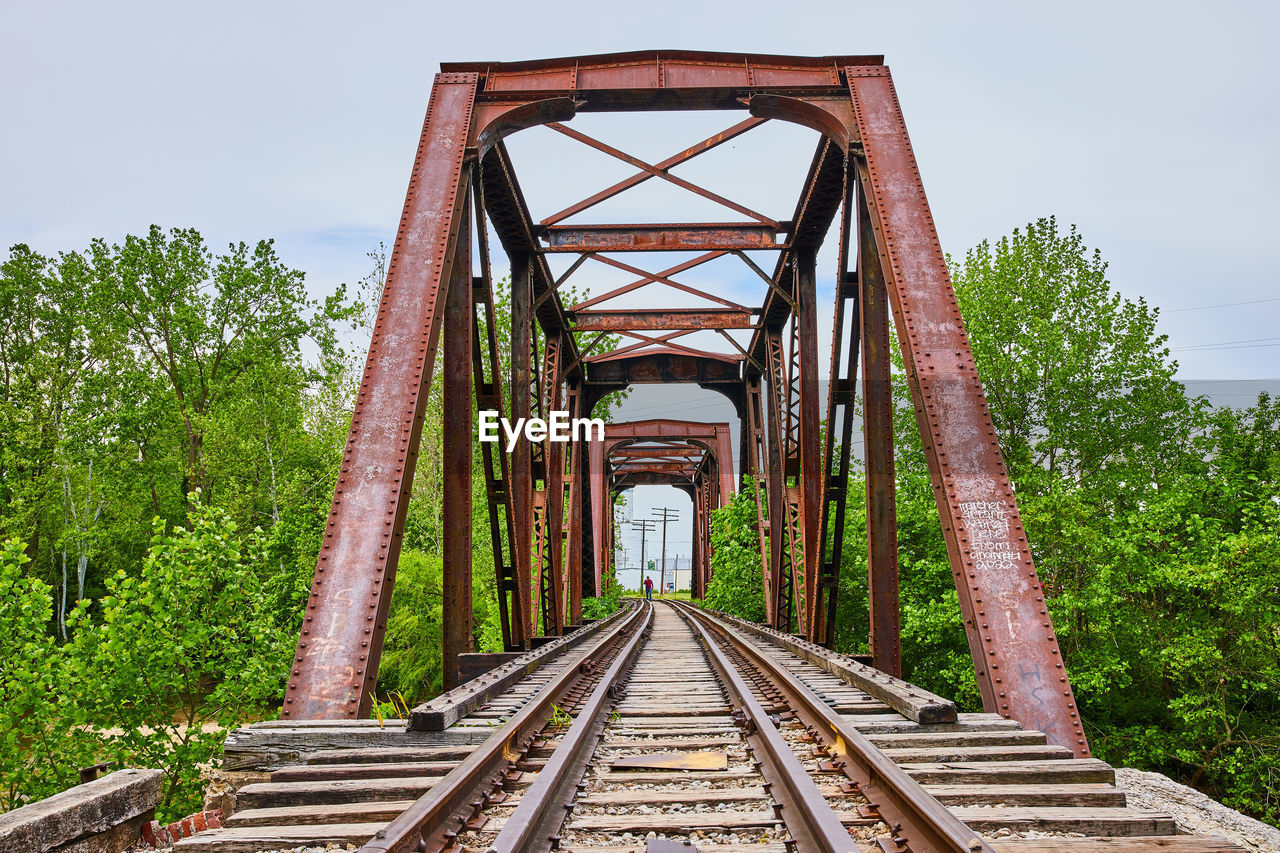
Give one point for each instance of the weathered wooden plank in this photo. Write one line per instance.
(251, 839)
(913, 702)
(639, 847)
(1137, 844)
(923, 739)
(384, 770)
(1071, 770)
(1089, 821)
(263, 746)
(671, 743)
(896, 724)
(372, 812)
(667, 795)
(1095, 795)
(626, 777)
(86, 810)
(278, 794)
(390, 754)
(682, 822)
(937, 754)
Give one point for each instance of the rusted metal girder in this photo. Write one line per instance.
(839, 434)
(456, 491)
(336, 664)
(488, 380)
(699, 237)
(661, 319)
(877, 431)
(1015, 651)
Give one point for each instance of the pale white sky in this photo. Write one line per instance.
(1154, 131)
(1151, 126)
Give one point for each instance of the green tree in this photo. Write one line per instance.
(182, 651)
(214, 329)
(1078, 379)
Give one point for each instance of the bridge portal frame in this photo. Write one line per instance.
(864, 169)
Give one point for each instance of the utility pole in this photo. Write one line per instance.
(644, 525)
(665, 514)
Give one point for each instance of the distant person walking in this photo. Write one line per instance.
(648, 589)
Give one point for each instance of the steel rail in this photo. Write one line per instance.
(534, 825)
(809, 818)
(422, 825)
(914, 815)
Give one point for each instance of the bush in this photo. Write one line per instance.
(40, 750)
(609, 600)
(182, 651)
(737, 579)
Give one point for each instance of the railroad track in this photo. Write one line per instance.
(668, 728)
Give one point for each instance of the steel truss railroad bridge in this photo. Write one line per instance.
(547, 502)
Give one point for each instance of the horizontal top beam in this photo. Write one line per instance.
(664, 428)
(660, 69)
(680, 237)
(660, 319)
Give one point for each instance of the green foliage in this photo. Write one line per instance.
(40, 749)
(411, 658)
(182, 651)
(1079, 382)
(607, 602)
(737, 579)
(1153, 520)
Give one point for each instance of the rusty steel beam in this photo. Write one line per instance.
(336, 664)
(660, 319)
(521, 459)
(456, 458)
(684, 237)
(574, 503)
(775, 481)
(877, 431)
(839, 432)
(818, 204)
(1015, 650)
(808, 449)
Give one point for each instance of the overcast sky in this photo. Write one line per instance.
(1153, 127)
(1156, 133)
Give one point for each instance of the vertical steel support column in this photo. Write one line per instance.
(845, 347)
(573, 558)
(775, 476)
(521, 403)
(456, 494)
(756, 460)
(488, 384)
(550, 544)
(599, 506)
(724, 465)
(695, 557)
(1015, 651)
(809, 450)
(877, 430)
(336, 664)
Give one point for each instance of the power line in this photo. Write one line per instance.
(1224, 305)
(1248, 342)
